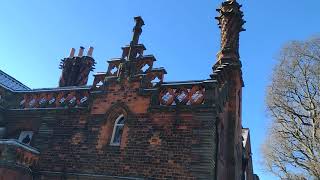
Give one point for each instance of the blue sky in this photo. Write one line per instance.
(183, 35)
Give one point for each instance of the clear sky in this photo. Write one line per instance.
(182, 34)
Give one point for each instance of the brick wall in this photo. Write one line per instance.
(14, 173)
(162, 144)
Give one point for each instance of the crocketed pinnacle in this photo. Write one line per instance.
(230, 21)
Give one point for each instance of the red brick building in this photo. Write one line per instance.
(130, 123)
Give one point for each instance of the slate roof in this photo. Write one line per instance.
(11, 83)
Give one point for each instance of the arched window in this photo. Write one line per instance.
(25, 137)
(117, 131)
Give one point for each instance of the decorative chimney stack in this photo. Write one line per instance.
(90, 51)
(231, 24)
(76, 69)
(80, 54)
(72, 51)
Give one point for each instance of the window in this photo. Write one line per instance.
(25, 137)
(117, 131)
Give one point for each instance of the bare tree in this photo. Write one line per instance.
(292, 150)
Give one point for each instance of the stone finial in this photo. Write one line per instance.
(137, 30)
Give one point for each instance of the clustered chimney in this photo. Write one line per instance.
(81, 51)
(76, 69)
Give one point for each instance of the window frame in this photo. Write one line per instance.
(23, 135)
(116, 124)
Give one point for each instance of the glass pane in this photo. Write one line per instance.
(25, 137)
(117, 134)
(121, 121)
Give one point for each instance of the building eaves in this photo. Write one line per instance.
(68, 88)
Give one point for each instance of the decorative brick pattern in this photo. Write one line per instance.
(56, 99)
(75, 70)
(192, 96)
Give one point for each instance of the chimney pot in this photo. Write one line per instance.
(72, 51)
(80, 54)
(90, 51)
